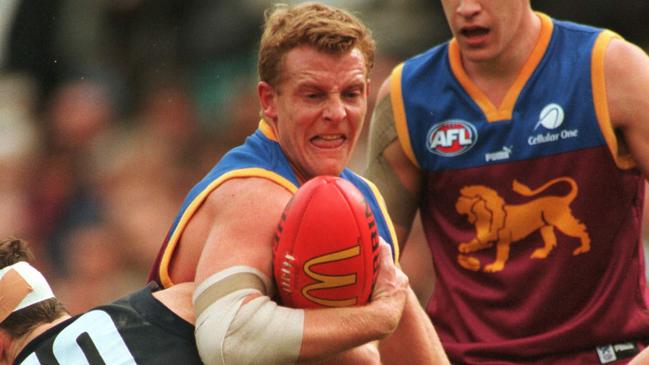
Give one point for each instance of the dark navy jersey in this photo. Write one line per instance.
(137, 329)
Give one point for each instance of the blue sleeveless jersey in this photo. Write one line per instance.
(260, 156)
(531, 211)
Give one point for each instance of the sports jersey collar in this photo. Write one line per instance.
(267, 130)
(504, 112)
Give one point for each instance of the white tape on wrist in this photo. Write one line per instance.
(258, 332)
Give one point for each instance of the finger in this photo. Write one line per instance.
(400, 278)
(386, 252)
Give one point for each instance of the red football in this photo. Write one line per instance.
(326, 246)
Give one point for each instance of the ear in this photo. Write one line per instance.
(268, 100)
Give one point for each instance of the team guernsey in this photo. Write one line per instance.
(537, 257)
(136, 329)
(260, 156)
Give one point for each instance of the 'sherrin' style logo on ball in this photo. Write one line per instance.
(325, 251)
(451, 138)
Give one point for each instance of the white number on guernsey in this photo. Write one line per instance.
(104, 335)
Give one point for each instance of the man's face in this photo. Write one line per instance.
(318, 108)
(485, 29)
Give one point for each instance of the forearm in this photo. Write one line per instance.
(367, 354)
(335, 330)
(332, 331)
(261, 330)
(416, 334)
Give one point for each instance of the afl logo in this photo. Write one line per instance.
(451, 138)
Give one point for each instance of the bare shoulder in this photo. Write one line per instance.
(622, 54)
(239, 200)
(627, 86)
(251, 194)
(627, 81)
(239, 219)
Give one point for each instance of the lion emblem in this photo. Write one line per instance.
(503, 224)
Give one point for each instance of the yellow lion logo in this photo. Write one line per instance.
(504, 224)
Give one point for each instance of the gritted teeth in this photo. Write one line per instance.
(329, 137)
(329, 140)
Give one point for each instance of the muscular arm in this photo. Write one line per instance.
(627, 86)
(243, 215)
(388, 167)
(400, 184)
(399, 181)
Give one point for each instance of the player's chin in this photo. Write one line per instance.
(331, 167)
(477, 55)
(331, 163)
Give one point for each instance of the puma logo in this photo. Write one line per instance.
(503, 224)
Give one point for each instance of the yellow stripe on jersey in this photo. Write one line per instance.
(399, 111)
(388, 220)
(267, 130)
(601, 103)
(196, 203)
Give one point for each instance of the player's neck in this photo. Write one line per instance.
(496, 75)
(20, 343)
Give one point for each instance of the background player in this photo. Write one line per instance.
(524, 143)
